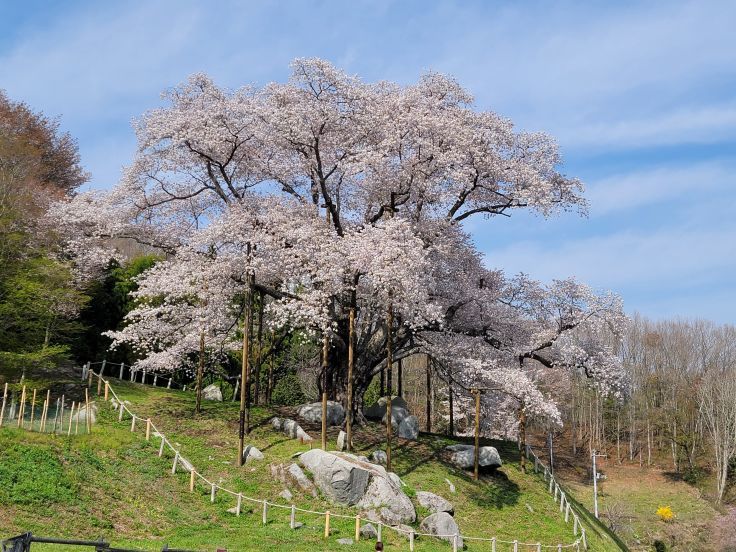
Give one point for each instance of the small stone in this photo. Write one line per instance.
(298, 525)
(233, 510)
(529, 507)
(286, 495)
(367, 531)
(341, 438)
(251, 453)
(212, 393)
(345, 541)
(379, 457)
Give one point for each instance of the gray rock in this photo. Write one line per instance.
(293, 430)
(277, 423)
(463, 456)
(341, 438)
(340, 480)
(443, 526)
(81, 414)
(345, 541)
(378, 410)
(212, 393)
(286, 495)
(313, 413)
(367, 531)
(293, 476)
(398, 414)
(434, 503)
(379, 457)
(347, 480)
(251, 454)
(409, 428)
(233, 510)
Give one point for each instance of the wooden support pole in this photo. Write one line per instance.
(357, 527)
(87, 411)
(264, 516)
(325, 366)
(380, 531)
(389, 362)
(454, 543)
(107, 391)
(351, 365)
(89, 377)
(245, 369)
(33, 408)
(46, 410)
(5, 399)
(21, 406)
(43, 417)
(327, 524)
(476, 451)
(122, 409)
(212, 492)
(428, 369)
(292, 518)
(76, 422)
(148, 429)
(102, 368)
(493, 544)
(239, 504)
(99, 385)
(71, 417)
(411, 541)
(161, 447)
(176, 461)
(122, 365)
(132, 425)
(516, 546)
(61, 424)
(56, 415)
(192, 477)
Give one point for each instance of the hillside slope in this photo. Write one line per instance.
(113, 484)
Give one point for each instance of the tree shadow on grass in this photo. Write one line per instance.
(495, 489)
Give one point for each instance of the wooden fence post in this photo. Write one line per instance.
(327, 524)
(21, 406)
(454, 543)
(102, 368)
(87, 411)
(76, 422)
(120, 416)
(176, 461)
(585, 540)
(380, 530)
(516, 546)
(132, 425)
(265, 512)
(575, 525)
(46, 413)
(357, 527)
(411, 541)
(239, 504)
(148, 429)
(107, 390)
(493, 544)
(212, 493)
(121, 370)
(292, 519)
(191, 481)
(71, 417)
(99, 385)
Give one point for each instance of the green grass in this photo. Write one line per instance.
(113, 484)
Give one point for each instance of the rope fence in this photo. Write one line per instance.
(119, 368)
(20, 409)
(214, 488)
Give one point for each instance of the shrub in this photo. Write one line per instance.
(693, 475)
(659, 546)
(373, 393)
(665, 513)
(288, 391)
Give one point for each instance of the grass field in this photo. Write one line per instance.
(112, 484)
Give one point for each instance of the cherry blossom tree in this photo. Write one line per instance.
(340, 195)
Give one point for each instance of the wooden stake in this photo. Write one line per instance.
(239, 504)
(43, 417)
(120, 416)
(21, 407)
(176, 461)
(264, 517)
(161, 448)
(132, 425)
(325, 364)
(244, 428)
(327, 524)
(389, 362)
(88, 420)
(292, 519)
(191, 481)
(56, 415)
(71, 418)
(89, 377)
(76, 423)
(46, 411)
(148, 429)
(99, 385)
(476, 452)
(351, 364)
(33, 408)
(212, 493)
(107, 390)
(5, 398)
(357, 528)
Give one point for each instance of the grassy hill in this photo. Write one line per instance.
(113, 484)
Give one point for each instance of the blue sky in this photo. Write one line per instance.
(641, 97)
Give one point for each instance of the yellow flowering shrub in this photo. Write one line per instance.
(665, 513)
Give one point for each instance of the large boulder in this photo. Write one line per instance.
(313, 413)
(212, 393)
(251, 453)
(409, 428)
(378, 410)
(398, 415)
(434, 503)
(443, 526)
(463, 456)
(349, 480)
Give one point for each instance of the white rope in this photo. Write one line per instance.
(214, 487)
